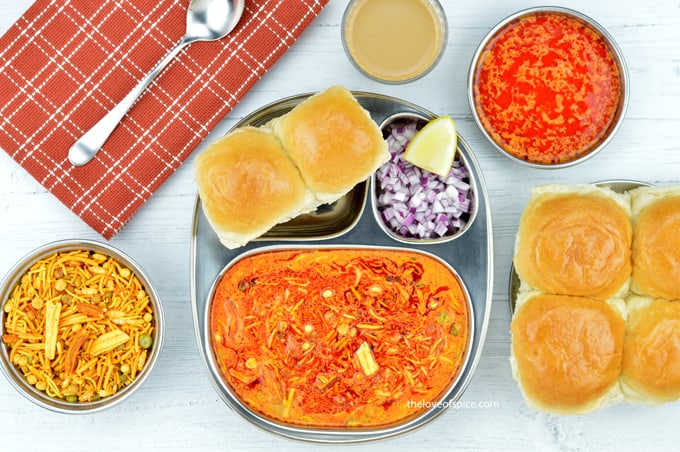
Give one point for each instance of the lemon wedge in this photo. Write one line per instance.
(434, 146)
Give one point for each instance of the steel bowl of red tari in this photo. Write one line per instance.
(548, 87)
(338, 338)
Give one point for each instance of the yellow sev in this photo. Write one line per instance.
(78, 325)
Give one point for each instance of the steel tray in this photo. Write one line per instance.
(350, 221)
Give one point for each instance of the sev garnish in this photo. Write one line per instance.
(339, 337)
(78, 326)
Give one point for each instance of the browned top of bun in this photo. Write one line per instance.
(247, 184)
(651, 351)
(334, 142)
(574, 244)
(567, 350)
(656, 249)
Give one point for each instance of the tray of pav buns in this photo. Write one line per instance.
(595, 296)
(298, 176)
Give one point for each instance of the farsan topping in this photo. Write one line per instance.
(78, 326)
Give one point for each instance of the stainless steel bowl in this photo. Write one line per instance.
(460, 156)
(40, 398)
(310, 433)
(615, 52)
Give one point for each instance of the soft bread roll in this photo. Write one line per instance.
(656, 241)
(575, 240)
(651, 351)
(247, 184)
(249, 181)
(566, 353)
(333, 141)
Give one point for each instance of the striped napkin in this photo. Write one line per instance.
(65, 63)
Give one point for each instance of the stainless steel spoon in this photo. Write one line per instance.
(207, 20)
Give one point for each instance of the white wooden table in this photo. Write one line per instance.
(178, 409)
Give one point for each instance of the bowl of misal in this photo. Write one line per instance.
(394, 41)
(82, 326)
(413, 205)
(548, 87)
(338, 343)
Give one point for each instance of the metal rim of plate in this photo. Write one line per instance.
(471, 255)
(618, 185)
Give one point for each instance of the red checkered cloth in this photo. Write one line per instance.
(65, 63)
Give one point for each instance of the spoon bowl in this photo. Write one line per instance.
(207, 20)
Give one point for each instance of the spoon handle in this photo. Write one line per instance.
(91, 142)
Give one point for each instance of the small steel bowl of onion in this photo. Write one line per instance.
(413, 205)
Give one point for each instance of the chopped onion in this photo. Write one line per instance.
(415, 203)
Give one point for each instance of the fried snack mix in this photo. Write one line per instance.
(78, 326)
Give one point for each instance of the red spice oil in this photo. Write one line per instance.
(547, 88)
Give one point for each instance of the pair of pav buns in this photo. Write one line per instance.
(257, 177)
(597, 319)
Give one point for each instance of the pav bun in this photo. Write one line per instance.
(566, 353)
(651, 351)
(255, 178)
(575, 240)
(247, 184)
(333, 141)
(656, 242)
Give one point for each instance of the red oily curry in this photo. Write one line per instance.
(339, 337)
(547, 88)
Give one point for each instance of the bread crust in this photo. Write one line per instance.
(566, 353)
(656, 242)
(575, 240)
(255, 177)
(649, 361)
(651, 351)
(333, 141)
(247, 185)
